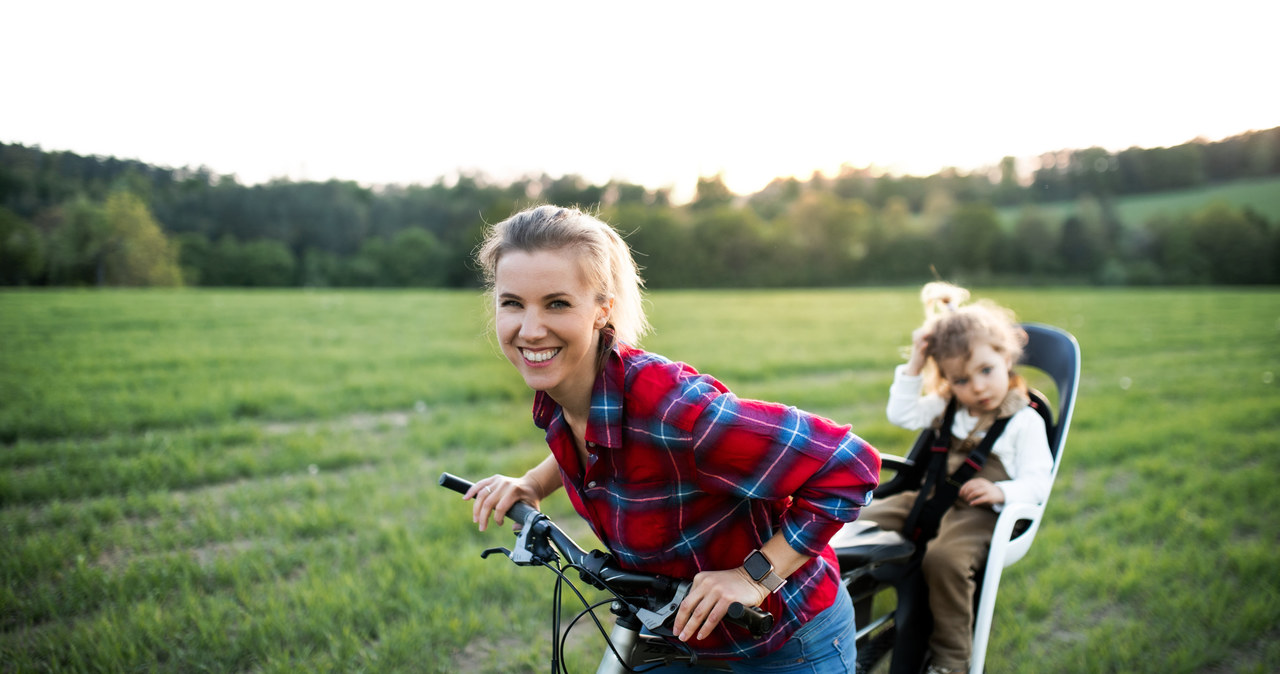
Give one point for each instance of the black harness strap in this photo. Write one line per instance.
(926, 513)
(937, 465)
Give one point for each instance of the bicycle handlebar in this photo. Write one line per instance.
(519, 511)
(599, 569)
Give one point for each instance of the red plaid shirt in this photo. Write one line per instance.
(684, 476)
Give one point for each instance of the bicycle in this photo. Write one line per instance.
(644, 604)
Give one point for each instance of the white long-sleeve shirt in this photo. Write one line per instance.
(1023, 448)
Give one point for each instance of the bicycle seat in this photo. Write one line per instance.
(860, 544)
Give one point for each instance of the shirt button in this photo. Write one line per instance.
(591, 484)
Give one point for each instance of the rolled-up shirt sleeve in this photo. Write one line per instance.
(775, 452)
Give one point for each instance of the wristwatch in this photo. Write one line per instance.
(761, 571)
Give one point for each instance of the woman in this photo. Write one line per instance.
(675, 474)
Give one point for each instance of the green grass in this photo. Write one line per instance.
(78, 364)
(246, 481)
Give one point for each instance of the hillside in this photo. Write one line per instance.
(1259, 194)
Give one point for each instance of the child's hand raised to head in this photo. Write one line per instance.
(921, 338)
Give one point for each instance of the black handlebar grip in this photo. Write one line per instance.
(518, 511)
(451, 481)
(756, 621)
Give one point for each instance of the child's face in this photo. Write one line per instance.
(979, 382)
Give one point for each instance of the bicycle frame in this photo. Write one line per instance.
(641, 600)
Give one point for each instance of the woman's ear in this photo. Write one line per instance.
(603, 314)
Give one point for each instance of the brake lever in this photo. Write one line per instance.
(532, 548)
(655, 619)
(757, 622)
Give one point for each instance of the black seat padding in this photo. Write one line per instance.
(864, 543)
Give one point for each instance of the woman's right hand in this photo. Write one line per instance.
(494, 495)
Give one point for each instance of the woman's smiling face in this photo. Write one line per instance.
(547, 320)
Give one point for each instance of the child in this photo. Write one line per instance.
(965, 355)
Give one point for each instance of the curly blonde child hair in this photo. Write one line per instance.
(955, 328)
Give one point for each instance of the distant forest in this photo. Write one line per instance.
(71, 220)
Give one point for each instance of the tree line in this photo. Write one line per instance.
(67, 219)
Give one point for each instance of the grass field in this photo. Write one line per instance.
(246, 481)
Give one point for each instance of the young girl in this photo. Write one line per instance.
(965, 353)
(675, 474)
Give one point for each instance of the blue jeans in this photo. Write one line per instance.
(825, 645)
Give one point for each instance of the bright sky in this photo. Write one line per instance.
(655, 92)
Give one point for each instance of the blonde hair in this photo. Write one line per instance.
(956, 328)
(605, 259)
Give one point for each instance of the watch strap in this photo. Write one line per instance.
(770, 580)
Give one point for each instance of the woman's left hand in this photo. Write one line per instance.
(709, 599)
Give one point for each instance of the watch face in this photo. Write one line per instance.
(757, 565)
